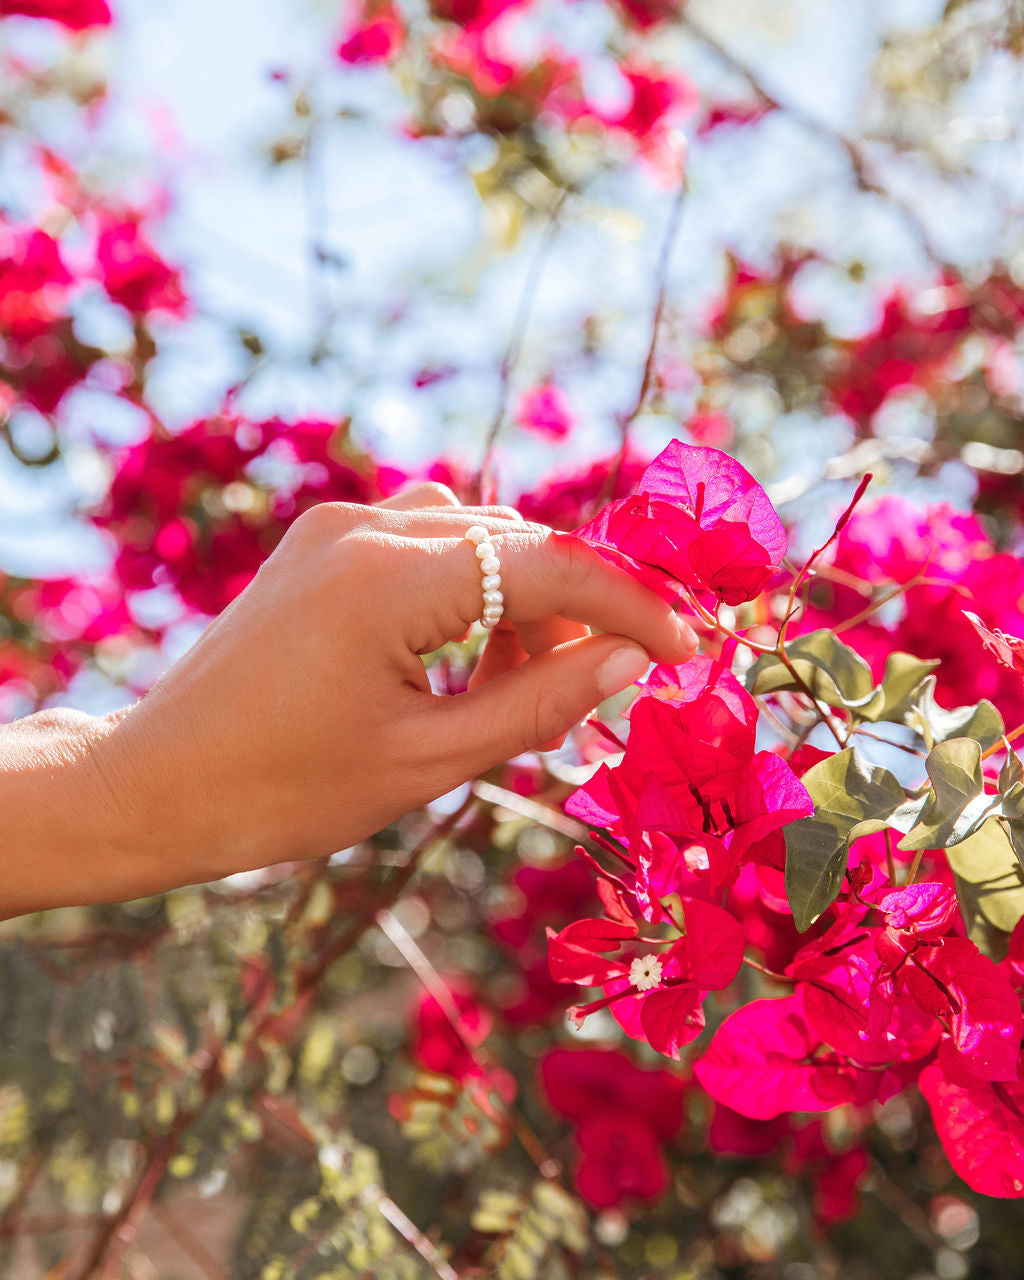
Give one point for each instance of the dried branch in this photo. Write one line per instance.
(856, 158)
(184, 1238)
(409, 1232)
(484, 481)
(668, 242)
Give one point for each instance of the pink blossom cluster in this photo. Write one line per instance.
(41, 356)
(942, 565)
(475, 42)
(888, 991)
(75, 15)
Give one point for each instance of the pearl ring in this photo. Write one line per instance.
(490, 569)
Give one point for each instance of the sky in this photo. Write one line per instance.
(195, 103)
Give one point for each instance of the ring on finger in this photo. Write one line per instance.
(490, 571)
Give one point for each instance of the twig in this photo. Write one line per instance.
(409, 1231)
(818, 553)
(668, 242)
(484, 483)
(308, 978)
(195, 1249)
(118, 1231)
(543, 814)
(10, 1223)
(104, 1258)
(853, 152)
(419, 963)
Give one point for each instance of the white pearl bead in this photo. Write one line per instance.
(493, 597)
(491, 582)
(489, 623)
(484, 550)
(489, 607)
(477, 533)
(489, 619)
(491, 565)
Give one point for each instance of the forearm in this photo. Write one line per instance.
(69, 832)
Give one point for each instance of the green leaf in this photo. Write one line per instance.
(832, 671)
(851, 799)
(894, 697)
(840, 677)
(957, 802)
(990, 875)
(935, 724)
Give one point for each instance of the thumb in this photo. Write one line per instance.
(540, 701)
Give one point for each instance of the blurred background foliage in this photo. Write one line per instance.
(256, 256)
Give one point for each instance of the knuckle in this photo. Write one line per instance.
(431, 493)
(326, 521)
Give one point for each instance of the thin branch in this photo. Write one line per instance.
(308, 978)
(409, 1232)
(542, 814)
(668, 242)
(484, 480)
(420, 964)
(853, 152)
(804, 573)
(118, 1231)
(10, 1222)
(195, 1248)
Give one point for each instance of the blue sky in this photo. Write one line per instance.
(194, 102)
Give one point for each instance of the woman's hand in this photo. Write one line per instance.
(302, 720)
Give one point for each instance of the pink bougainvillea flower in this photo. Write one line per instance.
(33, 281)
(724, 115)
(655, 992)
(765, 1060)
(581, 1082)
(619, 1160)
(698, 517)
(907, 346)
(924, 911)
(690, 771)
(979, 1122)
(732, 1134)
(842, 1003)
(1009, 650)
(655, 97)
(76, 15)
(949, 978)
(1012, 963)
(623, 1113)
(546, 411)
(834, 1175)
(563, 500)
(646, 14)
(134, 274)
(511, 88)
(953, 980)
(473, 15)
(438, 1046)
(375, 34)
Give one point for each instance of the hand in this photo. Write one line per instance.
(302, 720)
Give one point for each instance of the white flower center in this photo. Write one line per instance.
(645, 972)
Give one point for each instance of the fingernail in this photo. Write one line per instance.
(687, 635)
(620, 669)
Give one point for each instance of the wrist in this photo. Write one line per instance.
(64, 831)
(178, 821)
